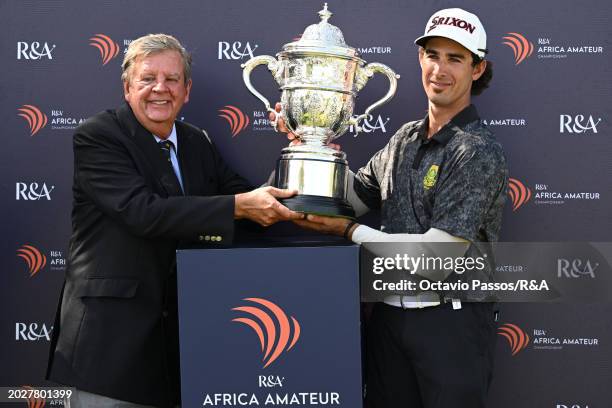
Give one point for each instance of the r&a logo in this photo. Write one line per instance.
(34, 50)
(517, 338)
(521, 46)
(237, 120)
(369, 126)
(32, 332)
(578, 124)
(235, 50)
(35, 118)
(35, 259)
(265, 323)
(519, 194)
(575, 268)
(32, 191)
(107, 47)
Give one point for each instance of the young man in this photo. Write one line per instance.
(439, 179)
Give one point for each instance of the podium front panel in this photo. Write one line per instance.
(270, 327)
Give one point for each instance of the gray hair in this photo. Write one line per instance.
(152, 44)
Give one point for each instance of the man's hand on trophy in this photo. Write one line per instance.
(261, 206)
(282, 127)
(328, 225)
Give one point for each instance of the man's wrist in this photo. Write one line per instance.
(348, 230)
(238, 213)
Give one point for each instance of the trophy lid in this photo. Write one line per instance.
(322, 38)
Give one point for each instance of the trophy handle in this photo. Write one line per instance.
(275, 68)
(366, 73)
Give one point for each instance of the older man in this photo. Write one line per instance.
(439, 179)
(143, 184)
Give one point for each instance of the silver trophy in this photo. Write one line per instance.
(319, 76)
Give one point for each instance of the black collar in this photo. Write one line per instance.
(466, 116)
(444, 135)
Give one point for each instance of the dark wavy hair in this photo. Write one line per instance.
(481, 83)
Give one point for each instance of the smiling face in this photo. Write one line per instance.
(447, 73)
(156, 91)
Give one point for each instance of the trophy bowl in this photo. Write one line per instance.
(319, 78)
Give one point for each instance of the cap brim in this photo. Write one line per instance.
(423, 39)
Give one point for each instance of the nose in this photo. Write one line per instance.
(160, 86)
(439, 69)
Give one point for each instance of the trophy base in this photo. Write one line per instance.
(319, 205)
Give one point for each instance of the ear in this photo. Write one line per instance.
(478, 70)
(126, 90)
(188, 87)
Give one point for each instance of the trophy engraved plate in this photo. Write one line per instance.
(319, 77)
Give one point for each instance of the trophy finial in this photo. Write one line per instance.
(324, 33)
(325, 13)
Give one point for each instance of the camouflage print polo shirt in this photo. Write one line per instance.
(455, 181)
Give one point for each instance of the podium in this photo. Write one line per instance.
(270, 327)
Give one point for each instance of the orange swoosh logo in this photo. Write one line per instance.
(33, 258)
(107, 47)
(32, 401)
(237, 120)
(517, 338)
(275, 331)
(519, 194)
(521, 46)
(35, 118)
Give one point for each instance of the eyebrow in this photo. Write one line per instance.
(430, 51)
(171, 75)
(460, 56)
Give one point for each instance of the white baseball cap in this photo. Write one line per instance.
(458, 25)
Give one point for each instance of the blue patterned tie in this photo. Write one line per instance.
(166, 146)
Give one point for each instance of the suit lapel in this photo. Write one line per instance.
(154, 156)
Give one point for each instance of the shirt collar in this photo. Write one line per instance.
(444, 135)
(172, 138)
(467, 115)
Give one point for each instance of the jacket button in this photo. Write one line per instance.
(219, 238)
(201, 237)
(207, 238)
